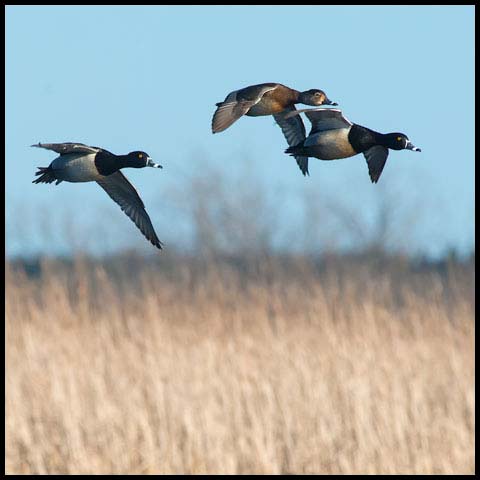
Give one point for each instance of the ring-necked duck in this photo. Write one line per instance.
(333, 136)
(269, 99)
(80, 163)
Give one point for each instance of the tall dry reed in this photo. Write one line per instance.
(226, 371)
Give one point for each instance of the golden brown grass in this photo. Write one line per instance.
(224, 372)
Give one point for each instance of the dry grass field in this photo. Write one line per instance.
(224, 369)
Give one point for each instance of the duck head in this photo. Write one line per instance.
(139, 159)
(399, 141)
(315, 97)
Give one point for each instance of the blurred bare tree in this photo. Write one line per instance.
(228, 214)
(387, 223)
(215, 211)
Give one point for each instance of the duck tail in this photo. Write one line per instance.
(46, 175)
(295, 150)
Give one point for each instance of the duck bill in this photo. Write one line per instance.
(411, 146)
(151, 163)
(329, 102)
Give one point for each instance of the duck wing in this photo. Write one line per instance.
(228, 113)
(68, 147)
(124, 193)
(237, 104)
(376, 157)
(294, 132)
(254, 93)
(323, 119)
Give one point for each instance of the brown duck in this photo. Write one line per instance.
(270, 99)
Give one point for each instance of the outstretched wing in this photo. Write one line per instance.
(123, 192)
(376, 157)
(228, 113)
(68, 147)
(294, 131)
(323, 119)
(237, 104)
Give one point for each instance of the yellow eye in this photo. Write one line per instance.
(399, 138)
(140, 155)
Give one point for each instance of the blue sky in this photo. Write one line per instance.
(147, 78)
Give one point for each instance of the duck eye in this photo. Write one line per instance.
(399, 139)
(140, 155)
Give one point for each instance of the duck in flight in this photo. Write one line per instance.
(78, 162)
(270, 99)
(333, 136)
